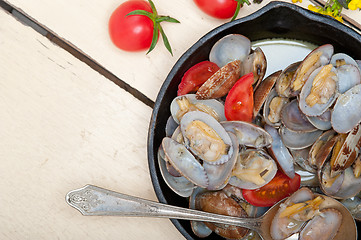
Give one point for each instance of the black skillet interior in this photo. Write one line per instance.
(275, 20)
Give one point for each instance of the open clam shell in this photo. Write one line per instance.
(229, 48)
(248, 134)
(263, 90)
(317, 58)
(180, 185)
(257, 64)
(206, 137)
(340, 59)
(272, 108)
(331, 91)
(254, 169)
(322, 122)
(346, 113)
(219, 175)
(184, 162)
(283, 84)
(186, 103)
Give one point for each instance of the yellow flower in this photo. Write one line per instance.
(326, 11)
(295, 1)
(354, 4)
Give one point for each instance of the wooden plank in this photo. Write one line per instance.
(63, 125)
(84, 24)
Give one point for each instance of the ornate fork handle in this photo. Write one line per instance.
(92, 200)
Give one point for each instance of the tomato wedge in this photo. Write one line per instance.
(239, 101)
(196, 76)
(280, 187)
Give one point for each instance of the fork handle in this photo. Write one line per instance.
(96, 201)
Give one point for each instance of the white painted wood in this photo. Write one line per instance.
(84, 24)
(62, 125)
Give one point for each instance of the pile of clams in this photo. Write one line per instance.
(306, 120)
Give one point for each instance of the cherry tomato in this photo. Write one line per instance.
(280, 187)
(218, 8)
(131, 33)
(196, 76)
(239, 101)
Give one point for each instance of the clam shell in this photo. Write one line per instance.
(180, 185)
(229, 48)
(199, 228)
(344, 58)
(244, 184)
(280, 152)
(266, 108)
(302, 74)
(349, 76)
(322, 122)
(317, 109)
(323, 226)
(189, 117)
(294, 119)
(321, 149)
(218, 175)
(298, 140)
(346, 113)
(262, 91)
(184, 162)
(283, 84)
(257, 64)
(248, 134)
(219, 84)
(211, 105)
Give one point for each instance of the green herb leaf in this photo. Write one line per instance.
(155, 38)
(140, 12)
(165, 40)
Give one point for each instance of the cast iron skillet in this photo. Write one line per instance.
(275, 20)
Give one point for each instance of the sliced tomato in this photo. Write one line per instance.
(196, 76)
(239, 101)
(280, 187)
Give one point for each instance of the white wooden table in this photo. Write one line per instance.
(64, 125)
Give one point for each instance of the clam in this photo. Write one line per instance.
(248, 134)
(319, 92)
(230, 48)
(199, 228)
(253, 169)
(280, 152)
(170, 126)
(262, 91)
(180, 185)
(184, 162)
(273, 107)
(219, 84)
(321, 149)
(283, 227)
(322, 122)
(340, 59)
(206, 137)
(300, 157)
(315, 229)
(346, 113)
(186, 103)
(317, 58)
(219, 175)
(257, 64)
(349, 76)
(298, 140)
(283, 84)
(293, 119)
(219, 202)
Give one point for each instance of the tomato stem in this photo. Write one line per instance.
(239, 5)
(156, 19)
